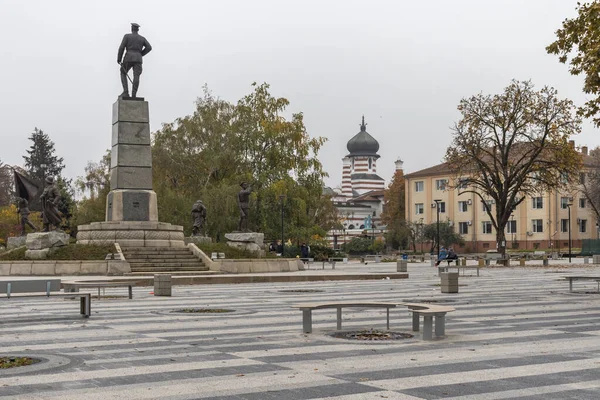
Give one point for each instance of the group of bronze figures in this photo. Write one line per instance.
(50, 200)
(199, 212)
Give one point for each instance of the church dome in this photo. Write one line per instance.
(363, 144)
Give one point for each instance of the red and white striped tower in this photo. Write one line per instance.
(363, 163)
(346, 177)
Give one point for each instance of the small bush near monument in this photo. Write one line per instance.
(12, 362)
(231, 253)
(71, 252)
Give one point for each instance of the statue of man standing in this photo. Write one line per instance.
(199, 216)
(244, 204)
(137, 47)
(50, 199)
(23, 210)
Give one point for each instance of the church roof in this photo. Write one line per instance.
(363, 144)
(363, 176)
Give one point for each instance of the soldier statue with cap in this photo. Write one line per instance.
(50, 199)
(137, 47)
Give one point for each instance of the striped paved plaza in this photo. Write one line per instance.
(516, 333)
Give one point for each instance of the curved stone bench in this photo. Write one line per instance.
(429, 311)
(307, 308)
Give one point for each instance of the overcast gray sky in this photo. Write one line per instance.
(403, 64)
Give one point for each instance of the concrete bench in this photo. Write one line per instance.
(73, 287)
(572, 278)
(492, 256)
(43, 288)
(307, 309)
(429, 311)
(444, 268)
(371, 257)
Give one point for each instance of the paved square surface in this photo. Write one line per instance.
(516, 333)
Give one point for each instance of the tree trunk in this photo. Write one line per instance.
(501, 243)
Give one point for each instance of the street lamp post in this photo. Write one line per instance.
(437, 208)
(569, 204)
(420, 234)
(512, 228)
(282, 198)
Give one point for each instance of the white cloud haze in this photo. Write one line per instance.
(403, 64)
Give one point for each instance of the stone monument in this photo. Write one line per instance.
(199, 225)
(131, 206)
(243, 238)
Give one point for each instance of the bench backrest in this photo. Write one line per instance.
(30, 286)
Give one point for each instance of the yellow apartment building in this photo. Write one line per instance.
(538, 222)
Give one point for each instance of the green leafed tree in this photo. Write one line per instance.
(272, 146)
(93, 187)
(206, 155)
(448, 237)
(578, 44)
(6, 185)
(41, 161)
(512, 145)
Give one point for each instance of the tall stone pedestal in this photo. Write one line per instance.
(131, 206)
(131, 197)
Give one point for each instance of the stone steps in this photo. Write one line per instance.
(163, 268)
(196, 264)
(191, 272)
(162, 257)
(150, 260)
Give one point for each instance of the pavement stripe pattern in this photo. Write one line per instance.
(517, 333)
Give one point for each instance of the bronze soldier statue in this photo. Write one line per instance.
(23, 210)
(137, 47)
(199, 216)
(244, 205)
(50, 199)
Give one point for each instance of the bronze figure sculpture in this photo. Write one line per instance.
(244, 205)
(23, 211)
(199, 216)
(137, 47)
(50, 199)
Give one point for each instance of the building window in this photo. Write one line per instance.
(442, 206)
(419, 209)
(486, 226)
(563, 202)
(463, 206)
(564, 225)
(462, 183)
(538, 225)
(583, 225)
(463, 228)
(537, 202)
(511, 226)
(582, 203)
(440, 184)
(353, 164)
(582, 178)
(486, 205)
(419, 186)
(370, 163)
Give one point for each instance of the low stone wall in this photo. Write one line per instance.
(260, 265)
(64, 267)
(245, 266)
